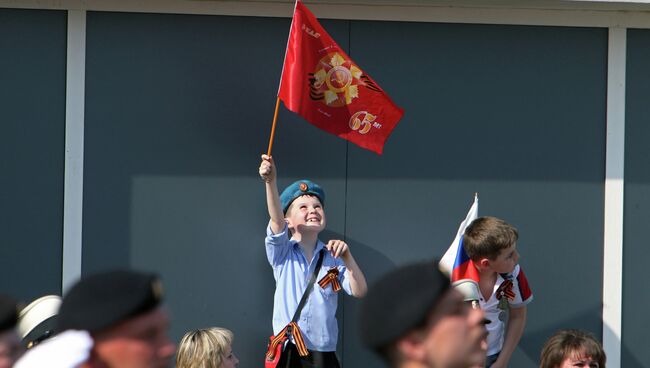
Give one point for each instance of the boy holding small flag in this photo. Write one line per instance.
(504, 292)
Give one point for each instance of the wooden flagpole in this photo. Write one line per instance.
(277, 101)
(275, 119)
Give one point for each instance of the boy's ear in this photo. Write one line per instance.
(484, 262)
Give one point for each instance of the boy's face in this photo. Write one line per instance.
(306, 214)
(506, 261)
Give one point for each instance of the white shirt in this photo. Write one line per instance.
(68, 349)
(522, 296)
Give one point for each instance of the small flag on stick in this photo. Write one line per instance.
(457, 264)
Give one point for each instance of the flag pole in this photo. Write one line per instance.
(277, 101)
(275, 119)
(475, 303)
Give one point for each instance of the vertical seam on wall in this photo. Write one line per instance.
(347, 151)
(345, 236)
(74, 146)
(345, 196)
(614, 196)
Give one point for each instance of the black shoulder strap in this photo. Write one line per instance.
(310, 285)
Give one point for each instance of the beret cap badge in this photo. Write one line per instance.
(303, 187)
(157, 289)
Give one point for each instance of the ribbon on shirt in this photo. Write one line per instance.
(332, 277)
(293, 330)
(505, 289)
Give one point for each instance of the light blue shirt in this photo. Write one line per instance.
(292, 272)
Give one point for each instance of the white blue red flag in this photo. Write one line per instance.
(456, 263)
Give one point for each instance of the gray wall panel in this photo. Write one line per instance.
(32, 131)
(178, 111)
(636, 296)
(514, 113)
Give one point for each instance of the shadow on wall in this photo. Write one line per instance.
(628, 358)
(351, 351)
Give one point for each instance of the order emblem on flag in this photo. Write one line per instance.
(321, 83)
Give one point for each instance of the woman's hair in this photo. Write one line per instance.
(203, 348)
(568, 343)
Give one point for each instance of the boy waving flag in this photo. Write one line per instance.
(323, 85)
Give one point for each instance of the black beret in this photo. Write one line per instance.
(400, 301)
(102, 300)
(8, 312)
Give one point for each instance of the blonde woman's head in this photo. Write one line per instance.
(206, 348)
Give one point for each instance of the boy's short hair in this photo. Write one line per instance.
(486, 236)
(570, 342)
(299, 189)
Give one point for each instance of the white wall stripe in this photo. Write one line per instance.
(614, 195)
(74, 147)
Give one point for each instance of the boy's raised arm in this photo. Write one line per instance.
(269, 175)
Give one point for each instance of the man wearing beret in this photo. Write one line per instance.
(10, 347)
(411, 317)
(108, 320)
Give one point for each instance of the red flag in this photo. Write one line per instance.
(323, 85)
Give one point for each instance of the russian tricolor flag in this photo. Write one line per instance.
(456, 263)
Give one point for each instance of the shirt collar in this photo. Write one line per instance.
(319, 246)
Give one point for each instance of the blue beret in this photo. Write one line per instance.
(8, 313)
(399, 302)
(102, 300)
(300, 188)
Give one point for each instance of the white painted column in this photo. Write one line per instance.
(614, 196)
(74, 147)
